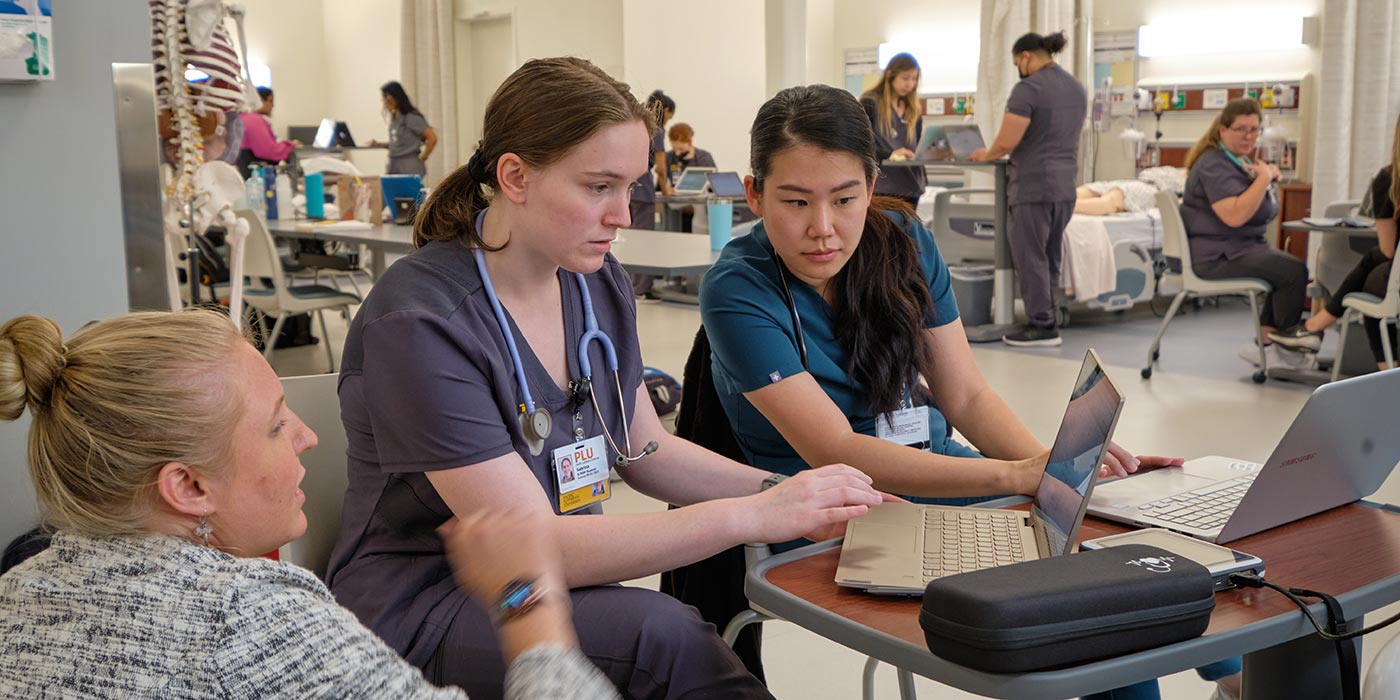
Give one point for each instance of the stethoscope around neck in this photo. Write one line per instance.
(535, 421)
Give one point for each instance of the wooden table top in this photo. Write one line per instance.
(1337, 551)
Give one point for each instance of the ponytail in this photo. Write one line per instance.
(880, 304)
(1049, 44)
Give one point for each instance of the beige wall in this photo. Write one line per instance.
(717, 75)
(328, 63)
(288, 37)
(947, 29)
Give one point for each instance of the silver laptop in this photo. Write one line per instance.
(897, 548)
(1339, 449)
(693, 180)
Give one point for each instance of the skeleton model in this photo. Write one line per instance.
(191, 34)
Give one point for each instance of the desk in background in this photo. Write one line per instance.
(381, 240)
(658, 253)
(1004, 275)
(1283, 657)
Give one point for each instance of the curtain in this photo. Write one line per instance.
(428, 65)
(1358, 97)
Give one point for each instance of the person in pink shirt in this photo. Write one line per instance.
(258, 136)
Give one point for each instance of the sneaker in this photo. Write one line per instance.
(1029, 336)
(1282, 357)
(1298, 338)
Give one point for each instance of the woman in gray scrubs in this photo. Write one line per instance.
(1040, 131)
(454, 366)
(895, 115)
(1227, 205)
(411, 140)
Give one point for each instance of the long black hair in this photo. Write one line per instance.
(881, 297)
(395, 90)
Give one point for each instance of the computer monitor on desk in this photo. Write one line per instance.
(305, 134)
(331, 134)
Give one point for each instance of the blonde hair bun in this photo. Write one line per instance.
(31, 359)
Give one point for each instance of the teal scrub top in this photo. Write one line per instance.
(753, 343)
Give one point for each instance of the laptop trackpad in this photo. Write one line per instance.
(871, 547)
(1148, 487)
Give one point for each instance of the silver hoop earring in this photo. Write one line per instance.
(202, 530)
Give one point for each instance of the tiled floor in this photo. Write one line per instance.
(1199, 402)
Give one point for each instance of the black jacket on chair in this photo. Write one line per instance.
(714, 586)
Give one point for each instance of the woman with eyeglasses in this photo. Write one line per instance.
(1228, 203)
(504, 348)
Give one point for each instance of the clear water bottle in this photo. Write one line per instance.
(255, 191)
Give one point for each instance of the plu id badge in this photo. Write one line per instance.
(907, 426)
(581, 472)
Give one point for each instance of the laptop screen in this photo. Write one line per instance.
(726, 184)
(325, 134)
(692, 180)
(1075, 459)
(963, 139)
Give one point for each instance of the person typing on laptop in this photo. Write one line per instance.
(823, 319)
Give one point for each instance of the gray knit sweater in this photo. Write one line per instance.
(160, 617)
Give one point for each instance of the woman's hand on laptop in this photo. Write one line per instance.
(1120, 462)
(815, 504)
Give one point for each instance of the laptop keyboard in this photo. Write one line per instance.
(956, 541)
(1205, 508)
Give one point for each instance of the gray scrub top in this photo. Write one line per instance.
(1046, 162)
(895, 181)
(406, 134)
(1215, 177)
(427, 384)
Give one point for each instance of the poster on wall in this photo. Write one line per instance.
(26, 40)
(861, 69)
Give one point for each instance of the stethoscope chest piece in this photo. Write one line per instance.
(536, 425)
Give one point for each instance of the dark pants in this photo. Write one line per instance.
(1369, 276)
(648, 644)
(1288, 276)
(1037, 238)
(406, 165)
(643, 217)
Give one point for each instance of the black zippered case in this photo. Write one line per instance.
(1067, 610)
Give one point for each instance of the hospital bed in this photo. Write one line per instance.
(962, 225)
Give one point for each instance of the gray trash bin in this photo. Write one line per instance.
(972, 287)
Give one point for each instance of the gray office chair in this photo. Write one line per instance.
(313, 398)
(1176, 247)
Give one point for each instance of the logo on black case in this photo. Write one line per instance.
(1157, 565)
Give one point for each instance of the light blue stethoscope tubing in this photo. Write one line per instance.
(592, 332)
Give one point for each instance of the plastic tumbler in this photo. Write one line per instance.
(315, 185)
(721, 215)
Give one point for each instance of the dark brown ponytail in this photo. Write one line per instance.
(881, 295)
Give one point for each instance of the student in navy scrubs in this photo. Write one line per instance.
(466, 345)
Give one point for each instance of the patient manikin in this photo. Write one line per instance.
(1135, 196)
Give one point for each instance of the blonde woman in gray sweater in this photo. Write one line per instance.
(166, 462)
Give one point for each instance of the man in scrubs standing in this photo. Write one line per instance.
(1040, 131)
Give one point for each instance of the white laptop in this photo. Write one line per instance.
(897, 548)
(693, 180)
(1339, 449)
